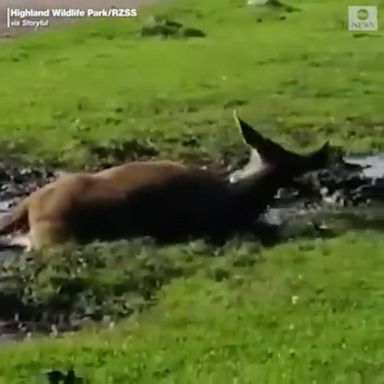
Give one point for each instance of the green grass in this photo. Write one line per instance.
(301, 80)
(309, 311)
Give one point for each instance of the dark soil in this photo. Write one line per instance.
(65, 289)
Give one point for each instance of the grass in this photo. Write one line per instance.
(308, 311)
(301, 79)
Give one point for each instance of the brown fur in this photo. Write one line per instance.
(162, 199)
(47, 211)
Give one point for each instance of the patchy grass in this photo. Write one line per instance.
(72, 284)
(299, 76)
(305, 312)
(71, 287)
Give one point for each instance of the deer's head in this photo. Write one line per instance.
(267, 154)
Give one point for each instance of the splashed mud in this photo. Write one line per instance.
(357, 188)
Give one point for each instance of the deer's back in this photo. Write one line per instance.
(160, 199)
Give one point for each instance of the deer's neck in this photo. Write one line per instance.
(251, 196)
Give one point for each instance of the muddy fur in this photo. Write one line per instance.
(162, 199)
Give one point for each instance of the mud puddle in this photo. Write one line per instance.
(355, 189)
(353, 192)
(373, 166)
(358, 186)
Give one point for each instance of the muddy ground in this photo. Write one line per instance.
(352, 181)
(347, 186)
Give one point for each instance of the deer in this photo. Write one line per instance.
(161, 199)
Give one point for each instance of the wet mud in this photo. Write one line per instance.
(357, 183)
(352, 190)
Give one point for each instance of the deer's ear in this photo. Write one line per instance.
(249, 135)
(326, 151)
(269, 151)
(326, 146)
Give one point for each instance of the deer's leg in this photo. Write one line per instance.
(22, 241)
(45, 233)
